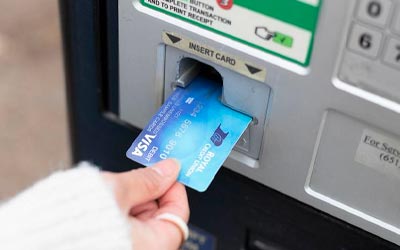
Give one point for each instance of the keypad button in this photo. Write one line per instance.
(365, 41)
(374, 12)
(392, 53)
(396, 22)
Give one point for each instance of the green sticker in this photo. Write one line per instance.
(283, 39)
(252, 22)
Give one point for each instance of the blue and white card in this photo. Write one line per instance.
(194, 127)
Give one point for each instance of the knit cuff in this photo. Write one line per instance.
(74, 209)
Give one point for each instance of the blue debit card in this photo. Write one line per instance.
(194, 127)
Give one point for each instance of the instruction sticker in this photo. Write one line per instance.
(218, 57)
(378, 151)
(284, 28)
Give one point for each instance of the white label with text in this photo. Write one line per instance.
(379, 151)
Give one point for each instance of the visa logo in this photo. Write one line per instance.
(143, 145)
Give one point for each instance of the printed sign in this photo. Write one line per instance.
(284, 28)
(379, 151)
(218, 57)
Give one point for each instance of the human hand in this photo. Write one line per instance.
(143, 195)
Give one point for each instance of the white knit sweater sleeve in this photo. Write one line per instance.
(70, 210)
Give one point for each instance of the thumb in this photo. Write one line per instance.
(142, 185)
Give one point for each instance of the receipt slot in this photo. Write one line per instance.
(319, 166)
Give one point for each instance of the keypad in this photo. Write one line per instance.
(375, 31)
(365, 40)
(371, 59)
(392, 53)
(375, 12)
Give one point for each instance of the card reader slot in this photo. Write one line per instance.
(189, 69)
(187, 74)
(239, 93)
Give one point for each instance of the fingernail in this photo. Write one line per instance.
(177, 162)
(157, 170)
(167, 168)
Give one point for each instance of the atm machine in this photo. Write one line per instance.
(319, 168)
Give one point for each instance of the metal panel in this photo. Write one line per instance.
(296, 107)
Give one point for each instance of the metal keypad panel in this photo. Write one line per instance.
(371, 58)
